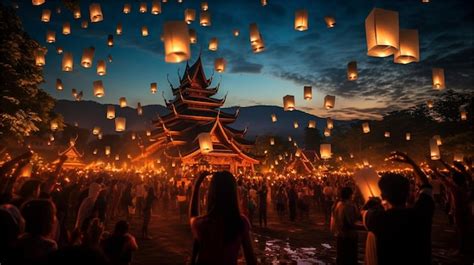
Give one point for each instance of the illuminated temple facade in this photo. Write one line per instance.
(194, 111)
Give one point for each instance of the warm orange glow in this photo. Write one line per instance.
(329, 123)
(110, 40)
(365, 127)
(192, 36)
(430, 104)
(205, 143)
(59, 84)
(120, 124)
(438, 140)
(329, 101)
(308, 92)
(50, 36)
(84, 24)
(367, 181)
(272, 141)
(54, 125)
(119, 29)
(387, 134)
(87, 57)
(40, 56)
(382, 32)
(143, 7)
(156, 7)
(110, 112)
(66, 28)
(301, 20)
(219, 65)
(95, 13)
(96, 130)
(463, 115)
(123, 102)
(204, 6)
(236, 32)
(327, 132)
(101, 68)
(127, 8)
(312, 124)
(176, 42)
(289, 103)
(352, 71)
(99, 90)
(37, 2)
(325, 151)
(330, 21)
(46, 15)
(438, 79)
(144, 31)
(67, 62)
(296, 125)
(213, 44)
(205, 18)
(408, 136)
(189, 15)
(77, 13)
(409, 51)
(274, 118)
(434, 150)
(153, 88)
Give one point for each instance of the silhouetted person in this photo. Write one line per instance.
(292, 200)
(262, 205)
(148, 205)
(118, 247)
(11, 226)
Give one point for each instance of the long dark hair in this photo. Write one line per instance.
(223, 203)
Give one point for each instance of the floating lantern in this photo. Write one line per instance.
(120, 123)
(192, 36)
(290, 139)
(37, 2)
(51, 138)
(96, 130)
(301, 20)
(386, 134)
(296, 125)
(176, 41)
(119, 29)
(298, 153)
(58, 10)
(26, 171)
(110, 112)
(99, 136)
(367, 180)
(365, 127)
(236, 32)
(143, 7)
(76, 13)
(272, 141)
(289, 103)
(117, 157)
(148, 133)
(134, 136)
(84, 24)
(330, 21)
(329, 123)
(258, 46)
(139, 109)
(127, 8)
(153, 88)
(110, 40)
(352, 71)
(458, 157)
(144, 31)
(327, 132)
(54, 125)
(312, 124)
(205, 143)
(66, 28)
(101, 68)
(40, 56)
(87, 57)
(204, 6)
(429, 103)
(409, 50)
(107, 150)
(325, 151)
(99, 90)
(155, 7)
(95, 13)
(434, 150)
(123, 102)
(94, 152)
(264, 2)
(274, 118)
(408, 136)
(382, 32)
(59, 84)
(308, 92)
(189, 15)
(67, 62)
(213, 44)
(438, 79)
(205, 18)
(329, 101)
(74, 93)
(50, 36)
(437, 138)
(46, 15)
(219, 65)
(463, 115)
(59, 50)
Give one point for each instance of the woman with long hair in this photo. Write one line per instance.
(219, 234)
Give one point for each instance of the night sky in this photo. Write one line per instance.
(292, 59)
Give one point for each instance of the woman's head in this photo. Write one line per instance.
(395, 188)
(222, 195)
(121, 227)
(40, 217)
(30, 189)
(11, 224)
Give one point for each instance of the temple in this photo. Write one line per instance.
(74, 158)
(194, 111)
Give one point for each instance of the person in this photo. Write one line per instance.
(403, 235)
(126, 200)
(219, 234)
(149, 200)
(140, 193)
(262, 205)
(280, 202)
(292, 199)
(328, 193)
(95, 187)
(11, 226)
(343, 225)
(119, 246)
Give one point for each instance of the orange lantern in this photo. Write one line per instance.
(54, 125)
(236, 32)
(327, 132)
(99, 89)
(67, 62)
(59, 50)
(434, 150)
(139, 109)
(110, 40)
(123, 102)
(463, 115)
(409, 50)
(127, 8)
(329, 123)
(120, 124)
(312, 124)
(107, 150)
(66, 28)
(189, 15)
(382, 32)
(408, 136)
(213, 44)
(50, 36)
(143, 7)
(176, 41)
(367, 181)
(110, 112)
(289, 103)
(95, 13)
(192, 36)
(438, 79)
(308, 92)
(205, 143)
(84, 24)
(296, 125)
(37, 2)
(301, 20)
(87, 57)
(204, 6)
(352, 71)
(144, 31)
(156, 7)
(437, 138)
(329, 101)
(205, 19)
(40, 56)
(365, 127)
(96, 130)
(429, 103)
(119, 29)
(272, 141)
(153, 88)
(274, 118)
(76, 13)
(59, 84)
(387, 134)
(325, 151)
(101, 68)
(46, 15)
(219, 65)
(264, 2)
(330, 21)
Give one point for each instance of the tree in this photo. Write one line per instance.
(24, 107)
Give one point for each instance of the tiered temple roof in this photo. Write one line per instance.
(74, 158)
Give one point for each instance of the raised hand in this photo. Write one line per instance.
(398, 156)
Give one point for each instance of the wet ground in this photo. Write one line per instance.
(283, 242)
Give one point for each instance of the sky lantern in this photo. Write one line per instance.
(74, 92)
(438, 140)
(120, 124)
(272, 141)
(296, 125)
(46, 15)
(101, 68)
(59, 50)
(352, 71)
(153, 88)
(290, 139)
(367, 180)
(312, 124)
(219, 65)
(84, 24)
(99, 136)
(95, 151)
(213, 44)
(37, 2)
(139, 109)
(263, 2)
(301, 20)
(258, 46)
(54, 125)
(26, 171)
(59, 84)
(204, 6)
(110, 40)
(127, 8)
(382, 32)
(438, 79)
(143, 8)
(408, 136)
(87, 57)
(76, 13)
(274, 117)
(117, 157)
(386, 134)
(308, 92)
(298, 152)
(192, 36)
(236, 32)
(66, 28)
(330, 21)
(109, 58)
(119, 29)
(325, 151)
(107, 150)
(434, 150)
(99, 89)
(327, 132)
(189, 15)
(329, 123)
(205, 143)
(123, 102)
(409, 50)
(458, 157)
(95, 13)
(205, 18)
(110, 112)
(67, 62)
(96, 130)
(50, 36)
(40, 56)
(176, 41)
(289, 103)
(463, 115)
(155, 7)
(144, 31)
(429, 103)
(365, 127)
(254, 33)
(148, 133)
(134, 136)
(329, 102)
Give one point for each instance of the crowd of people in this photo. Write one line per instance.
(62, 216)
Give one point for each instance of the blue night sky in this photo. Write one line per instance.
(292, 59)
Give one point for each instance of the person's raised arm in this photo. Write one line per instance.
(53, 178)
(7, 166)
(194, 205)
(404, 158)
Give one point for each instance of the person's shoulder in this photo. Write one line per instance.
(245, 222)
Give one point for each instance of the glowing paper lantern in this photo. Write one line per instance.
(213, 44)
(290, 139)
(409, 50)
(37, 2)
(76, 13)
(96, 130)
(156, 7)
(153, 88)
(95, 13)
(67, 62)
(308, 92)
(205, 18)
(352, 71)
(296, 125)
(189, 15)
(74, 92)
(236, 32)
(117, 157)
(119, 29)
(134, 136)
(144, 31)
(408, 136)
(192, 36)
(26, 171)
(382, 32)
(148, 133)
(205, 143)
(123, 102)
(327, 132)
(272, 141)
(386, 134)
(87, 57)
(99, 136)
(59, 50)
(463, 115)
(330, 21)
(438, 79)
(367, 181)
(434, 150)
(256, 40)
(127, 8)
(120, 123)
(329, 123)
(50, 36)
(365, 127)
(289, 103)
(329, 101)
(204, 6)
(258, 46)
(99, 90)
(101, 68)
(110, 112)
(176, 41)
(110, 40)
(59, 84)
(139, 109)
(298, 153)
(66, 28)
(219, 65)
(301, 20)
(264, 2)
(274, 118)
(54, 125)
(429, 103)
(437, 138)
(40, 58)
(143, 7)
(95, 152)
(107, 150)
(84, 24)
(325, 151)
(458, 157)
(312, 124)
(46, 15)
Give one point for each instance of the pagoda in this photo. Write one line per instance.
(194, 111)
(74, 159)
